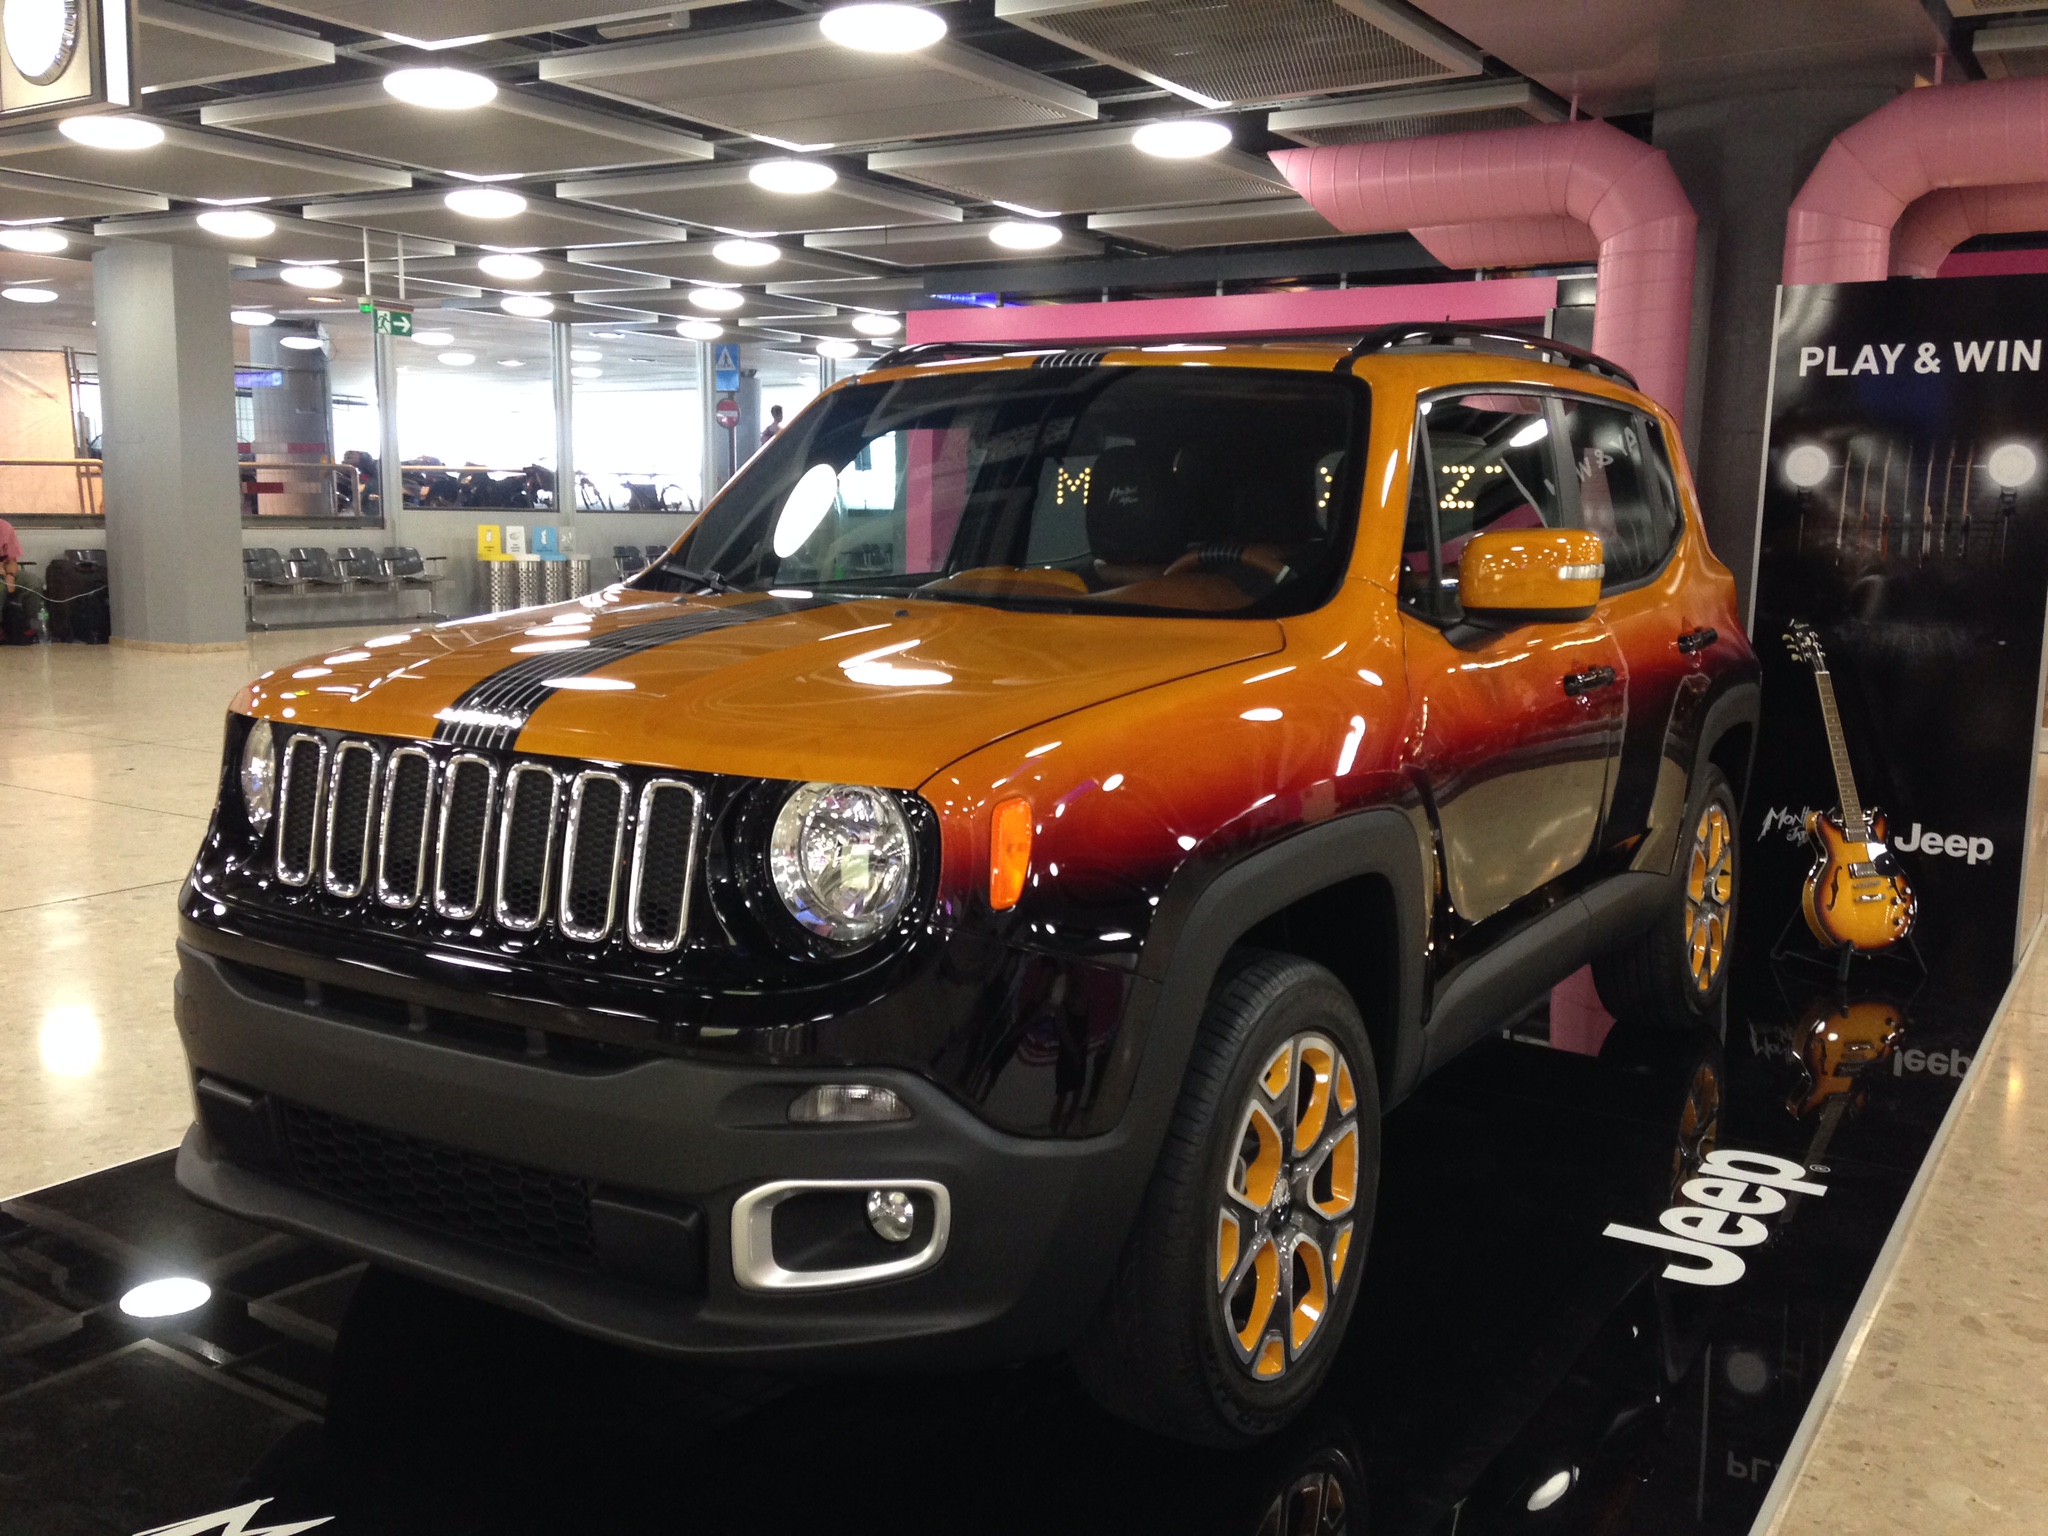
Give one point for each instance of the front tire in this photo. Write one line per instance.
(1235, 1285)
(1674, 974)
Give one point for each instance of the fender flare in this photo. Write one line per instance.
(1739, 704)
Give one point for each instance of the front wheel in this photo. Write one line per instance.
(1234, 1288)
(1673, 974)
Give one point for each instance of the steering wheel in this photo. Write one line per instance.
(1261, 559)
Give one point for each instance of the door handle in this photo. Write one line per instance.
(1579, 683)
(1695, 641)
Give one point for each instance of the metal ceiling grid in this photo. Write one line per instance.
(565, 309)
(1180, 229)
(516, 133)
(886, 294)
(939, 245)
(1462, 108)
(555, 276)
(292, 239)
(724, 197)
(1096, 169)
(1222, 53)
(788, 84)
(671, 303)
(192, 163)
(39, 198)
(446, 23)
(2013, 51)
(697, 262)
(180, 45)
(542, 225)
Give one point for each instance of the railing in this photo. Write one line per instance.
(341, 493)
(631, 491)
(81, 488)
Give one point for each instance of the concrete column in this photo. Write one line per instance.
(1742, 159)
(561, 337)
(174, 526)
(294, 421)
(707, 426)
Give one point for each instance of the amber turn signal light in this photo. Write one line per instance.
(1009, 853)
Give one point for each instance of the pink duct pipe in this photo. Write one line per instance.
(1989, 133)
(1939, 222)
(1551, 192)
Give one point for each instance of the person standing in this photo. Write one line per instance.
(774, 425)
(10, 553)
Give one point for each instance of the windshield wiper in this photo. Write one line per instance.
(709, 579)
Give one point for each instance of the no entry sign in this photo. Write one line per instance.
(728, 413)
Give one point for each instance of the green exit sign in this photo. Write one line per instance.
(391, 320)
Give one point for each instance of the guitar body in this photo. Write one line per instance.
(1838, 1043)
(1856, 895)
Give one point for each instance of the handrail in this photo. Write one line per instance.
(86, 475)
(48, 463)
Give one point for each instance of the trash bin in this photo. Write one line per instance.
(529, 582)
(501, 585)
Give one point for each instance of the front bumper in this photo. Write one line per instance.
(1035, 1224)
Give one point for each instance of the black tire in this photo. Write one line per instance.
(1656, 979)
(1164, 1350)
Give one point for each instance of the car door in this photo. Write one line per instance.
(1515, 730)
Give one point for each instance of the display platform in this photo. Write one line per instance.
(1510, 1367)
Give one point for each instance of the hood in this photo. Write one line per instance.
(776, 686)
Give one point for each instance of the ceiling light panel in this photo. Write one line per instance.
(1079, 172)
(2013, 51)
(788, 84)
(192, 163)
(1252, 51)
(292, 239)
(516, 133)
(443, 23)
(181, 45)
(724, 197)
(891, 293)
(542, 225)
(1179, 229)
(939, 244)
(696, 262)
(1462, 108)
(43, 197)
(556, 275)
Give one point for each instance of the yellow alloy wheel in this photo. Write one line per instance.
(1283, 1224)
(1709, 894)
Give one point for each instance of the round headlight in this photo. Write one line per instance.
(842, 859)
(259, 775)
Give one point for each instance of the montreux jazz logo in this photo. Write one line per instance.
(1728, 1198)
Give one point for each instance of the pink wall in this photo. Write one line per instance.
(1322, 312)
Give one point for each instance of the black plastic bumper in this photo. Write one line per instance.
(665, 1147)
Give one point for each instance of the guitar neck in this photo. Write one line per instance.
(1845, 781)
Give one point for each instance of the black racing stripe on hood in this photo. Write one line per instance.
(492, 713)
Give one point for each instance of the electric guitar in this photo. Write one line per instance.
(1857, 897)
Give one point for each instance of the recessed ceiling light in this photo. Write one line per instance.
(837, 349)
(42, 38)
(29, 295)
(166, 1298)
(724, 300)
(511, 362)
(433, 338)
(882, 28)
(302, 343)
(456, 359)
(791, 177)
(311, 277)
(444, 90)
(699, 330)
(586, 373)
(585, 355)
(877, 325)
(1017, 235)
(237, 223)
(484, 203)
(517, 269)
(530, 306)
(608, 335)
(1184, 138)
(746, 253)
(252, 317)
(229, 202)
(112, 132)
(37, 242)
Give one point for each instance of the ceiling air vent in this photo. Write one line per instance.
(1463, 108)
(2011, 52)
(1223, 53)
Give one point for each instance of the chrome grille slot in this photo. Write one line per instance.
(351, 805)
(404, 826)
(590, 855)
(460, 854)
(298, 807)
(526, 846)
(664, 866)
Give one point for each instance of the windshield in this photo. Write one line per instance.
(1150, 489)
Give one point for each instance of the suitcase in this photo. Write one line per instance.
(75, 586)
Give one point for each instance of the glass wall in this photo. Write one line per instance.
(638, 419)
(476, 410)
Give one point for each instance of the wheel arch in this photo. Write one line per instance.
(1727, 737)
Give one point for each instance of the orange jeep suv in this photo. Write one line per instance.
(979, 894)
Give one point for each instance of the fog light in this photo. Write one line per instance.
(891, 1214)
(847, 1104)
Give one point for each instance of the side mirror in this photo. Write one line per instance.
(1533, 575)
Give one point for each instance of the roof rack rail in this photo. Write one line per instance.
(1386, 338)
(931, 351)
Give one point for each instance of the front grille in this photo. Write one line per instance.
(593, 856)
(461, 1193)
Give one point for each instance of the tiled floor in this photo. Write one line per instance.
(109, 759)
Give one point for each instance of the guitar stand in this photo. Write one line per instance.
(1795, 943)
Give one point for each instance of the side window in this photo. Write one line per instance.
(1491, 468)
(1624, 484)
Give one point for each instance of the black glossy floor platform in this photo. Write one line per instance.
(1510, 1368)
